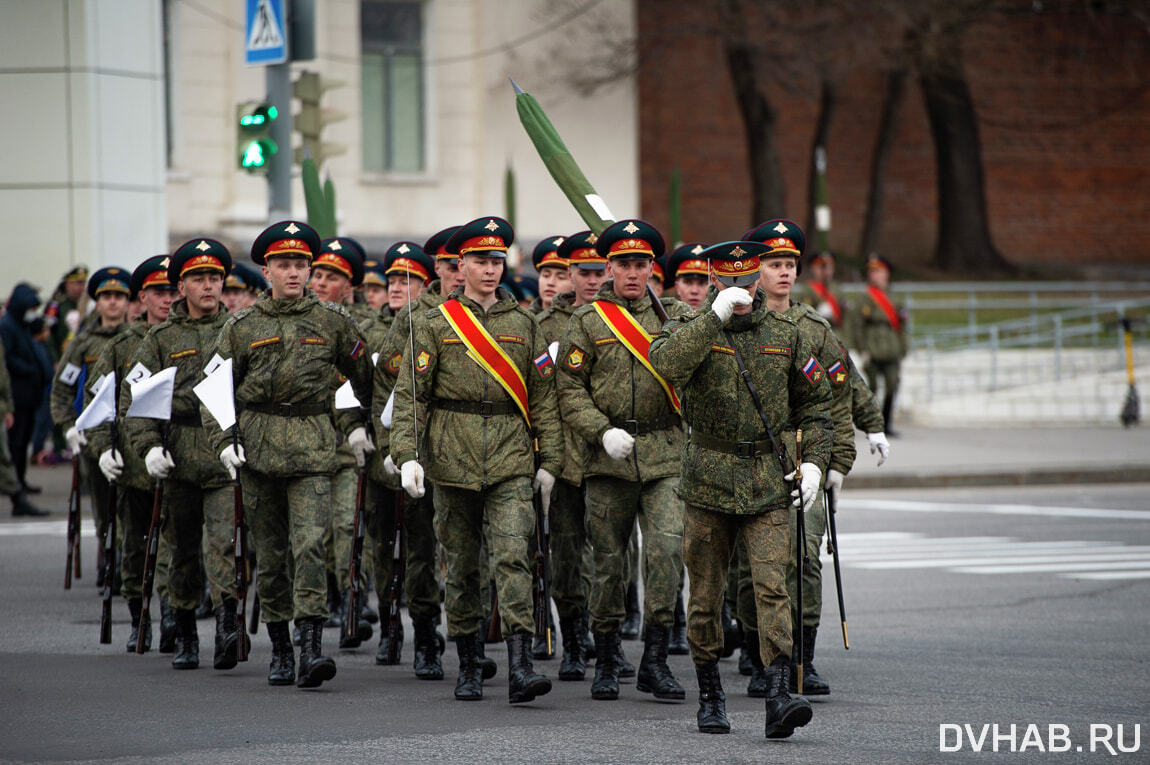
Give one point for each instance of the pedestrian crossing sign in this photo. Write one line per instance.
(265, 33)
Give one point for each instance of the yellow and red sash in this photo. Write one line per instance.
(635, 338)
(824, 293)
(884, 304)
(485, 352)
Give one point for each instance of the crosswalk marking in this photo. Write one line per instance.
(849, 503)
(43, 528)
(1073, 559)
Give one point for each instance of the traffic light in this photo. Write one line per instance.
(309, 88)
(255, 146)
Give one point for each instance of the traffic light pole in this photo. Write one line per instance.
(279, 167)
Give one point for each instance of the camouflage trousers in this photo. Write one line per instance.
(888, 372)
(709, 538)
(340, 534)
(198, 525)
(570, 567)
(421, 579)
(459, 517)
(288, 518)
(9, 483)
(97, 492)
(816, 527)
(134, 516)
(613, 506)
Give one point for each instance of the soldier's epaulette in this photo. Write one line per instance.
(337, 308)
(783, 317)
(813, 315)
(240, 314)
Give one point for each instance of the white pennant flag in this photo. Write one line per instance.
(388, 410)
(345, 397)
(215, 391)
(152, 396)
(102, 407)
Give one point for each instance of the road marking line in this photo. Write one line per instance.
(923, 506)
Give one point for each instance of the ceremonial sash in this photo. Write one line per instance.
(824, 293)
(485, 352)
(885, 306)
(635, 338)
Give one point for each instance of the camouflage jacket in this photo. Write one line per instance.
(874, 333)
(375, 328)
(831, 355)
(73, 371)
(553, 323)
(360, 312)
(804, 292)
(865, 411)
(181, 342)
(602, 386)
(464, 449)
(693, 354)
(117, 358)
(287, 352)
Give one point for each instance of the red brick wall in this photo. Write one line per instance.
(1064, 118)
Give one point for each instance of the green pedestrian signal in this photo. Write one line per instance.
(255, 145)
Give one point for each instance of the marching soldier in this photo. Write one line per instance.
(476, 437)
(881, 335)
(629, 415)
(689, 274)
(286, 349)
(821, 293)
(553, 277)
(658, 272)
(119, 462)
(241, 287)
(109, 288)
(735, 424)
(197, 501)
(374, 284)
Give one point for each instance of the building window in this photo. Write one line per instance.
(392, 34)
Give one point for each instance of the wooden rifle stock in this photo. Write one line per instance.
(151, 548)
(657, 304)
(72, 563)
(542, 566)
(240, 551)
(395, 586)
(354, 594)
(109, 566)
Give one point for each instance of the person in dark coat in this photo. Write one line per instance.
(29, 371)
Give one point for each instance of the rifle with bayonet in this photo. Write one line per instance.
(350, 638)
(151, 549)
(395, 585)
(109, 559)
(72, 563)
(542, 587)
(240, 554)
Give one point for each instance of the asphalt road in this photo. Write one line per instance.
(979, 607)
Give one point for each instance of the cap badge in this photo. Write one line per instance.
(292, 228)
(592, 238)
(403, 249)
(492, 226)
(557, 241)
(631, 228)
(780, 227)
(738, 252)
(335, 246)
(203, 246)
(164, 263)
(697, 249)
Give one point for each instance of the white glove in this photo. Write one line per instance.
(360, 443)
(75, 440)
(390, 468)
(618, 443)
(878, 441)
(725, 302)
(111, 465)
(411, 476)
(544, 483)
(158, 462)
(232, 457)
(812, 477)
(834, 481)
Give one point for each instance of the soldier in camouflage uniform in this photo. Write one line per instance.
(484, 384)
(109, 288)
(729, 440)
(286, 349)
(554, 278)
(881, 334)
(822, 293)
(122, 464)
(374, 284)
(630, 419)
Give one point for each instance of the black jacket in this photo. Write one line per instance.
(30, 371)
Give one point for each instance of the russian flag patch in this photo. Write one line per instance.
(544, 364)
(837, 373)
(813, 371)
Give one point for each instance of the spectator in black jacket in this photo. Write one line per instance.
(28, 371)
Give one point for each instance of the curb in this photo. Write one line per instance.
(1020, 477)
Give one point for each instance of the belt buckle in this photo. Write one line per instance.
(285, 409)
(486, 408)
(745, 450)
(631, 426)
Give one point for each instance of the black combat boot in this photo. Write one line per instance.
(888, 415)
(654, 674)
(572, 667)
(813, 685)
(605, 686)
(626, 668)
(523, 682)
(363, 631)
(732, 632)
(540, 649)
(757, 687)
(370, 615)
(281, 671)
(428, 649)
(167, 626)
(22, 507)
(334, 602)
(135, 607)
(633, 618)
(314, 667)
(784, 713)
(187, 640)
(469, 683)
(677, 645)
(712, 701)
(229, 633)
(587, 638)
(487, 667)
(384, 643)
(204, 610)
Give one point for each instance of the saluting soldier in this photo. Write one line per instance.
(553, 272)
(629, 415)
(109, 287)
(881, 334)
(688, 273)
(119, 462)
(286, 349)
(479, 388)
(733, 483)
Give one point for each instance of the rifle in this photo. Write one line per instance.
(255, 620)
(109, 560)
(395, 586)
(542, 565)
(151, 548)
(350, 635)
(240, 550)
(804, 559)
(494, 627)
(73, 561)
(833, 547)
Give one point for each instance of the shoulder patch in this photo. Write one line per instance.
(393, 362)
(575, 358)
(356, 350)
(813, 371)
(175, 355)
(422, 361)
(241, 313)
(265, 341)
(778, 350)
(837, 373)
(544, 365)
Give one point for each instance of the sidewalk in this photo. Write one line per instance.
(1006, 456)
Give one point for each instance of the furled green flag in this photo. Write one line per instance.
(320, 202)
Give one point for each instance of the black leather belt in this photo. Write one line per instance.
(288, 409)
(744, 450)
(641, 427)
(187, 420)
(484, 408)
